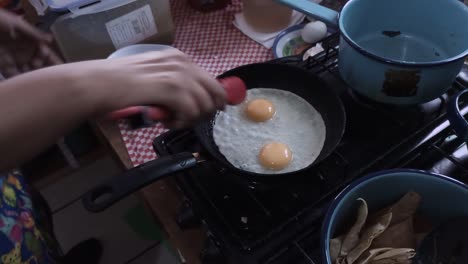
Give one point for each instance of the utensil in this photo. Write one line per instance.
(283, 77)
(446, 244)
(399, 51)
(442, 199)
(146, 115)
(235, 91)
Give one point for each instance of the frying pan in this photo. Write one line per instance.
(267, 75)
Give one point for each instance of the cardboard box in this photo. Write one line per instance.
(95, 30)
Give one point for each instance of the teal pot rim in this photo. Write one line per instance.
(377, 57)
(339, 198)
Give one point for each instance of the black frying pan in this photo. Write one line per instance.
(262, 75)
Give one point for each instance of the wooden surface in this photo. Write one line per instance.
(161, 198)
(109, 134)
(164, 199)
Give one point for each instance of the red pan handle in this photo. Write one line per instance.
(155, 113)
(236, 91)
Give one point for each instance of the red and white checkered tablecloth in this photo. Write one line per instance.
(213, 43)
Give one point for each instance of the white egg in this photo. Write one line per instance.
(314, 31)
(296, 123)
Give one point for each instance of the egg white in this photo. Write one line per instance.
(296, 124)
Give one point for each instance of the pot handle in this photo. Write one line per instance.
(106, 194)
(457, 121)
(326, 15)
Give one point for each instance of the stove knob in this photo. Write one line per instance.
(186, 218)
(211, 254)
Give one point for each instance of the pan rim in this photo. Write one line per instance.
(199, 130)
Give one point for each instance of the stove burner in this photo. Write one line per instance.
(279, 221)
(420, 113)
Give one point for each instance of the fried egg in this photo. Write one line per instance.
(275, 156)
(290, 140)
(260, 110)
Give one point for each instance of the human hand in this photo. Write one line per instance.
(167, 79)
(22, 46)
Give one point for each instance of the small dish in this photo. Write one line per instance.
(289, 42)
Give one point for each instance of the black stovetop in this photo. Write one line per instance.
(279, 221)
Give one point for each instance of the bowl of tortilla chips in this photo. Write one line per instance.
(383, 217)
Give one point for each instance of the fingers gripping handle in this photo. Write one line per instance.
(235, 88)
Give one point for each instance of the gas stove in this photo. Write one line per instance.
(279, 221)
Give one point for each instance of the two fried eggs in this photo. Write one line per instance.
(273, 131)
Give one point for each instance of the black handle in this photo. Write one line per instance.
(103, 196)
(456, 118)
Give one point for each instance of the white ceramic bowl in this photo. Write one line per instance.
(289, 42)
(137, 49)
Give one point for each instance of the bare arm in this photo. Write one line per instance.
(38, 107)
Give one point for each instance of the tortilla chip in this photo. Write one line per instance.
(335, 247)
(352, 237)
(400, 235)
(367, 256)
(397, 253)
(368, 236)
(341, 260)
(395, 256)
(401, 210)
(390, 261)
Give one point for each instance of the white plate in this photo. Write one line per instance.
(289, 42)
(137, 49)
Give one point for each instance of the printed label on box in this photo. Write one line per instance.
(132, 27)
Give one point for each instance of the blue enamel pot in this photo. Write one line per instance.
(443, 198)
(397, 51)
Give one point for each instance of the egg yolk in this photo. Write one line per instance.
(260, 110)
(275, 156)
